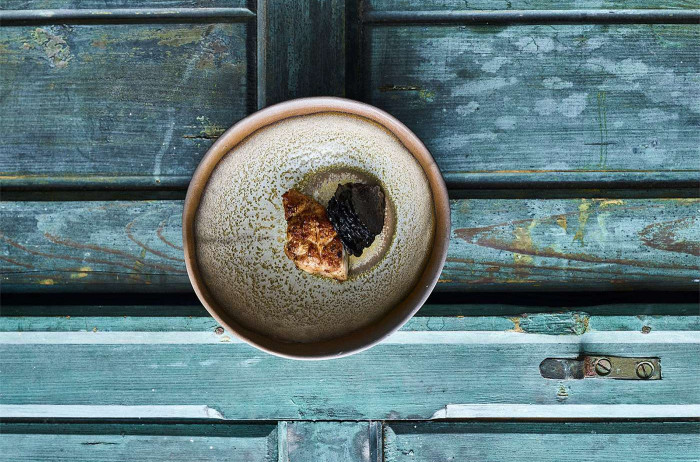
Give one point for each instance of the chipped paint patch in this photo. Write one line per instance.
(562, 393)
(610, 202)
(469, 108)
(47, 282)
(82, 274)
(523, 242)
(210, 129)
(55, 47)
(583, 214)
(561, 221)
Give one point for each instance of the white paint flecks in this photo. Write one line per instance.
(469, 108)
(571, 106)
(555, 83)
(494, 64)
(505, 122)
(536, 45)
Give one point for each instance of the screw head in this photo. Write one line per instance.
(603, 366)
(645, 369)
(219, 330)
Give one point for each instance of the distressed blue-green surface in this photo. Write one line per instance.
(545, 104)
(514, 244)
(39, 442)
(116, 106)
(156, 319)
(456, 5)
(542, 442)
(412, 375)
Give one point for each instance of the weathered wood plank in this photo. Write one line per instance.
(565, 323)
(446, 5)
(138, 442)
(110, 106)
(497, 245)
(301, 48)
(9, 18)
(325, 441)
(542, 442)
(108, 4)
(545, 104)
(412, 375)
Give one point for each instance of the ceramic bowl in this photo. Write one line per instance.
(234, 230)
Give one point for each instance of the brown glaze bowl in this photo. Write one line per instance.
(227, 274)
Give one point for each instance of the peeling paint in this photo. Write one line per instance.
(55, 47)
(47, 282)
(210, 129)
(610, 202)
(584, 213)
(561, 221)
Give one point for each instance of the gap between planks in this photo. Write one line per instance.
(481, 17)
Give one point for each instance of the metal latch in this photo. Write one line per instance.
(602, 367)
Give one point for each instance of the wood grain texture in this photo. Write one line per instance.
(496, 245)
(302, 45)
(446, 5)
(106, 4)
(137, 442)
(110, 106)
(565, 323)
(542, 442)
(326, 441)
(545, 104)
(412, 375)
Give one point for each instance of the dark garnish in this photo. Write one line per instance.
(356, 211)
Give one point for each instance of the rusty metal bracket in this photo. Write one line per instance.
(601, 367)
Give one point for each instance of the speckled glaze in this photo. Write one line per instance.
(234, 228)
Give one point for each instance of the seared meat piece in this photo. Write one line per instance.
(312, 243)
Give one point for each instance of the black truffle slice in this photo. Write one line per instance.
(356, 211)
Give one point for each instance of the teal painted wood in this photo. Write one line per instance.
(108, 4)
(568, 323)
(496, 245)
(411, 375)
(137, 442)
(446, 5)
(542, 442)
(615, 113)
(326, 441)
(301, 50)
(110, 106)
(548, 105)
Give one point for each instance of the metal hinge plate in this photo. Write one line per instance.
(602, 367)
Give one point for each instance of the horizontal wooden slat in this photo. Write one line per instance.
(494, 17)
(137, 442)
(542, 442)
(570, 105)
(447, 5)
(85, 4)
(411, 375)
(112, 106)
(496, 245)
(124, 16)
(167, 319)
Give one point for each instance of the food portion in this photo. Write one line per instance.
(318, 241)
(312, 242)
(357, 213)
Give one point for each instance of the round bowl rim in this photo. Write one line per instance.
(365, 337)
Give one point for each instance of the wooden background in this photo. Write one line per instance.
(568, 134)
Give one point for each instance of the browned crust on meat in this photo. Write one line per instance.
(312, 243)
